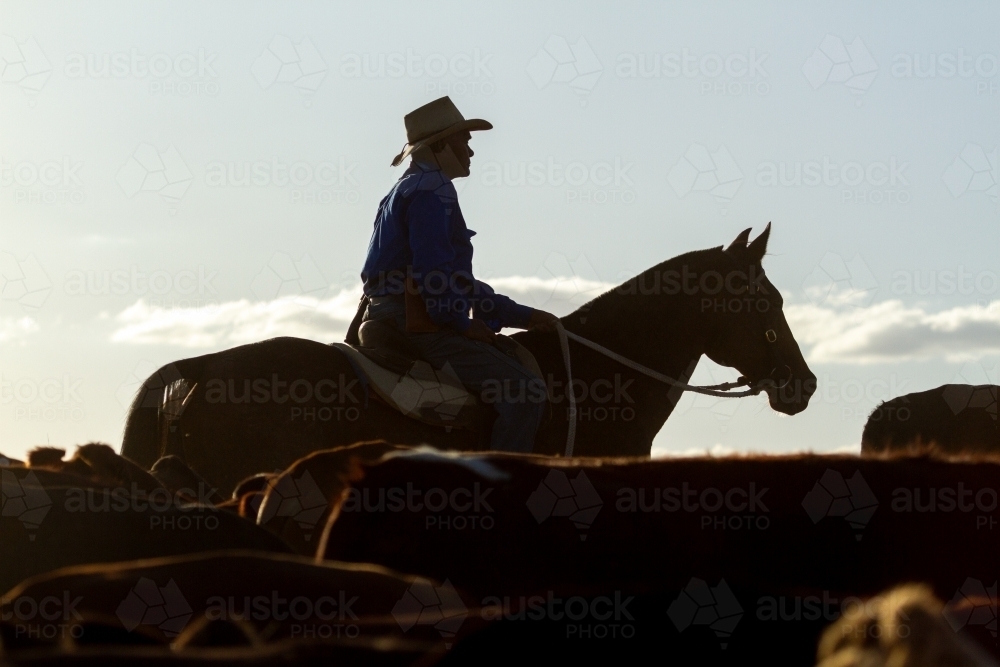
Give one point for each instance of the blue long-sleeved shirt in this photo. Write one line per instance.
(420, 224)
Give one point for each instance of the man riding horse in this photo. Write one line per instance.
(418, 277)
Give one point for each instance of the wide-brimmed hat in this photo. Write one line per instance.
(433, 121)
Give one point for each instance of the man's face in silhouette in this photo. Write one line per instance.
(455, 155)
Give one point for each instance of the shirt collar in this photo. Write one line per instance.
(427, 168)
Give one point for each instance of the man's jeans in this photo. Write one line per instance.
(485, 371)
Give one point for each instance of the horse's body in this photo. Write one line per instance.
(259, 407)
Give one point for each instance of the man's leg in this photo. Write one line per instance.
(517, 394)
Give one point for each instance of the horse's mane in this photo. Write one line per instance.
(690, 257)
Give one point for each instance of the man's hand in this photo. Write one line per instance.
(479, 331)
(542, 321)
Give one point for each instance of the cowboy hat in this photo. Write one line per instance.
(434, 121)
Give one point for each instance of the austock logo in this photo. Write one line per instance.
(423, 603)
(561, 282)
(329, 181)
(559, 62)
(960, 396)
(600, 617)
(283, 61)
(300, 499)
(163, 607)
(982, 502)
(132, 281)
(455, 73)
(721, 408)
(284, 277)
(149, 170)
(146, 376)
(24, 281)
(702, 171)
(735, 508)
(24, 499)
(334, 395)
(23, 64)
(701, 604)
(49, 182)
(812, 607)
(729, 74)
(832, 495)
(600, 182)
(323, 617)
(461, 508)
(835, 62)
(427, 389)
(945, 65)
(973, 604)
(184, 74)
(836, 283)
(559, 496)
(875, 182)
(973, 170)
(49, 617)
(185, 509)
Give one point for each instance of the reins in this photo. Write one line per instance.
(709, 390)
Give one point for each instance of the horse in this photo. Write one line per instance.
(262, 406)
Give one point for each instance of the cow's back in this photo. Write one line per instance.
(952, 418)
(45, 527)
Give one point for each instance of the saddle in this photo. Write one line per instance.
(391, 365)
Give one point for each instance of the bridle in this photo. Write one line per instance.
(721, 390)
(776, 383)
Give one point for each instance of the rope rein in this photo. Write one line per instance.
(711, 390)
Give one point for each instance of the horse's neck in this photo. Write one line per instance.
(666, 337)
(668, 341)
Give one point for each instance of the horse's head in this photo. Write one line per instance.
(746, 328)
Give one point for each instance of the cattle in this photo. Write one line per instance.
(7, 461)
(248, 495)
(904, 627)
(234, 607)
(95, 462)
(952, 418)
(173, 474)
(718, 561)
(760, 542)
(306, 493)
(98, 507)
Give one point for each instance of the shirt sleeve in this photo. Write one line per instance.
(448, 288)
(499, 311)
(434, 259)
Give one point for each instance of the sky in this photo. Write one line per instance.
(177, 178)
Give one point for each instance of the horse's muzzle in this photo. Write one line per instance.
(788, 393)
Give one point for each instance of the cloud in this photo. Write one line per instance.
(325, 320)
(238, 322)
(718, 450)
(12, 329)
(559, 294)
(885, 332)
(891, 332)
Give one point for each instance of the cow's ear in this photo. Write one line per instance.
(739, 244)
(758, 246)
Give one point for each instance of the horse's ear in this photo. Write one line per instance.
(758, 246)
(739, 244)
